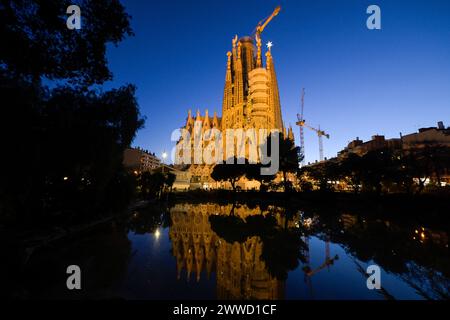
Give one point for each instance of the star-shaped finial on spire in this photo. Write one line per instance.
(269, 45)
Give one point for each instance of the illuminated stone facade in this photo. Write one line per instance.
(251, 100)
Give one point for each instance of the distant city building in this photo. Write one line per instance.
(425, 137)
(139, 160)
(434, 136)
(411, 144)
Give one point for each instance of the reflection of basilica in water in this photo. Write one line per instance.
(241, 263)
(240, 272)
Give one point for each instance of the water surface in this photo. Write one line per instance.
(216, 251)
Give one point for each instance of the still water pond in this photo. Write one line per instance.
(212, 251)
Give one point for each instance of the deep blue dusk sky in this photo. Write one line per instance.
(358, 82)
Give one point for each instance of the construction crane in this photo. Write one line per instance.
(263, 23)
(309, 272)
(302, 133)
(320, 133)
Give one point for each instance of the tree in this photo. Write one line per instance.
(400, 172)
(229, 172)
(305, 185)
(145, 185)
(170, 180)
(290, 157)
(253, 172)
(429, 162)
(321, 173)
(67, 142)
(40, 45)
(375, 164)
(351, 169)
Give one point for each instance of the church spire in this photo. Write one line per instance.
(228, 90)
(291, 134)
(215, 120)
(238, 78)
(274, 95)
(189, 120)
(206, 122)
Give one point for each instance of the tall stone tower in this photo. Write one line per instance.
(251, 100)
(251, 97)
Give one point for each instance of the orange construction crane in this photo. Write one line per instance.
(320, 133)
(263, 23)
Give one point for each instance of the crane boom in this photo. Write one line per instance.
(263, 24)
(320, 133)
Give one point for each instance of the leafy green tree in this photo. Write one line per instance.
(318, 173)
(290, 157)
(253, 172)
(158, 183)
(351, 169)
(375, 163)
(145, 185)
(40, 45)
(305, 185)
(229, 172)
(67, 141)
(430, 162)
(170, 180)
(399, 174)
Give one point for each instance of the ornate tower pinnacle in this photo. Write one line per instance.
(291, 133)
(189, 120)
(274, 98)
(206, 123)
(238, 78)
(215, 120)
(258, 53)
(228, 89)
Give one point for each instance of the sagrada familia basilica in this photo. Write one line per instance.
(251, 100)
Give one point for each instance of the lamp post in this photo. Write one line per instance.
(164, 156)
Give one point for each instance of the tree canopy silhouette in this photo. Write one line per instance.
(290, 157)
(229, 172)
(63, 134)
(41, 45)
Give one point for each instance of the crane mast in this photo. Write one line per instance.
(302, 130)
(320, 133)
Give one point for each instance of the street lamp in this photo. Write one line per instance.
(164, 156)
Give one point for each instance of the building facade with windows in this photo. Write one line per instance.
(139, 160)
